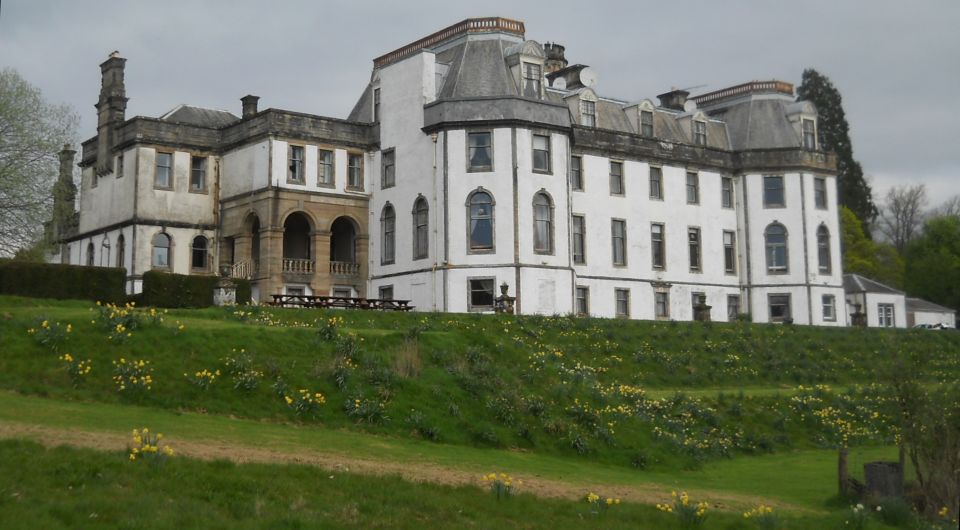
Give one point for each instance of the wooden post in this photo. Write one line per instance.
(842, 474)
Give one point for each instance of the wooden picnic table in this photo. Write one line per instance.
(341, 302)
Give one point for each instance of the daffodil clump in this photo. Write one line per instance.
(120, 322)
(203, 379)
(76, 369)
(689, 514)
(763, 516)
(50, 334)
(328, 328)
(245, 377)
(600, 505)
(305, 402)
(180, 328)
(501, 485)
(365, 410)
(148, 446)
(132, 376)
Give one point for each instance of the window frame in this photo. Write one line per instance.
(695, 248)
(655, 176)
(772, 267)
(470, 290)
(588, 113)
(729, 252)
(206, 253)
(388, 168)
(580, 231)
(121, 251)
(203, 173)
(354, 171)
(529, 76)
(885, 318)
(332, 167)
(156, 171)
(168, 255)
(820, 193)
(646, 127)
(296, 167)
(785, 301)
(550, 247)
(91, 255)
(808, 137)
(767, 203)
(421, 228)
(661, 304)
(726, 192)
(585, 310)
(660, 244)
(693, 186)
(699, 132)
(828, 301)
(388, 234)
(120, 169)
(618, 177)
(548, 154)
(492, 217)
(625, 300)
(824, 257)
(576, 173)
(735, 306)
(385, 289)
(615, 222)
(480, 168)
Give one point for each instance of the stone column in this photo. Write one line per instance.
(321, 254)
(362, 245)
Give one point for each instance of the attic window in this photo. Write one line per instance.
(700, 133)
(588, 113)
(532, 77)
(646, 123)
(809, 135)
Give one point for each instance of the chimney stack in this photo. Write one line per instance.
(111, 110)
(675, 99)
(555, 58)
(249, 105)
(64, 221)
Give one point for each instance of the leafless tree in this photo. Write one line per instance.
(901, 216)
(950, 206)
(32, 132)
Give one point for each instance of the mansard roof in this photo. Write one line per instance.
(200, 116)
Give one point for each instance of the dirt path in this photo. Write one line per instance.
(336, 463)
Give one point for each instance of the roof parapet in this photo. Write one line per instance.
(753, 87)
(470, 25)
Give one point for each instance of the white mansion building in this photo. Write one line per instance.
(472, 159)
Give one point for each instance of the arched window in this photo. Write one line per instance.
(121, 251)
(480, 211)
(160, 258)
(775, 237)
(105, 252)
(542, 223)
(90, 254)
(823, 249)
(198, 253)
(421, 241)
(388, 229)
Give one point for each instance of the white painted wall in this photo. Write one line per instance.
(948, 319)
(245, 169)
(110, 201)
(870, 305)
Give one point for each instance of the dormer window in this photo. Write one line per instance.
(646, 123)
(700, 133)
(809, 134)
(532, 80)
(588, 113)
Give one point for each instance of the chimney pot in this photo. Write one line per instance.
(675, 99)
(249, 105)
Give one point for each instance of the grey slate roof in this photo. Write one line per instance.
(363, 110)
(854, 283)
(758, 124)
(200, 116)
(923, 306)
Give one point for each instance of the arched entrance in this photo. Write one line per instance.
(343, 247)
(297, 251)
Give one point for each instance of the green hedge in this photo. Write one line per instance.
(53, 280)
(162, 289)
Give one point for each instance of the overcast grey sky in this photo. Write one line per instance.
(896, 63)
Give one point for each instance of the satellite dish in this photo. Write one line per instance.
(690, 105)
(588, 77)
(559, 82)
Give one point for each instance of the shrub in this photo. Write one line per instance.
(49, 280)
(162, 289)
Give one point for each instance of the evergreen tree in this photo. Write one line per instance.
(853, 190)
